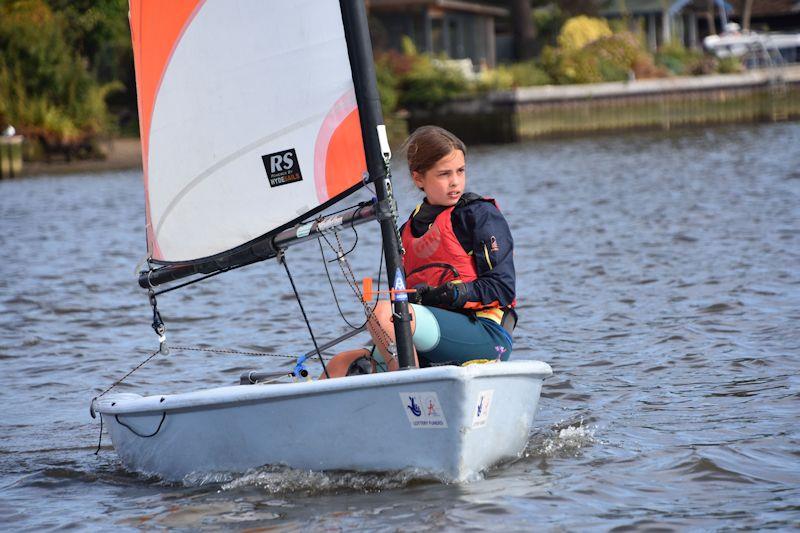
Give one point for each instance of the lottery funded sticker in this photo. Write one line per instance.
(481, 414)
(423, 410)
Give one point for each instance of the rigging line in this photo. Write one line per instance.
(123, 378)
(100, 439)
(333, 290)
(230, 352)
(153, 434)
(369, 312)
(341, 253)
(282, 258)
(360, 205)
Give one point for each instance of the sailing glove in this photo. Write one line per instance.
(448, 295)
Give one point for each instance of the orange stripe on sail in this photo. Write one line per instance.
(339, 160)
(156, 28)
(345, 162)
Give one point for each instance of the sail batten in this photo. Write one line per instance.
(249, 121)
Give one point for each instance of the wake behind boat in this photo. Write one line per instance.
(247, 136)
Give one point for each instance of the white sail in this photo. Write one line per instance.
(248, 118)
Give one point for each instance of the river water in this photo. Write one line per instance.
(658, 273)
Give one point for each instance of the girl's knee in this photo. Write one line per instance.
(382, 316)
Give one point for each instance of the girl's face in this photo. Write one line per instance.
(444, 182)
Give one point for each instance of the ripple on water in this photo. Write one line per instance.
(666, 301)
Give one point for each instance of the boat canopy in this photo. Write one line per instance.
(248, 120)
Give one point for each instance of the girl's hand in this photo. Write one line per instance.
(448, 295)
(416, 297)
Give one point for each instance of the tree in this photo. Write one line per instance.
(46, 90)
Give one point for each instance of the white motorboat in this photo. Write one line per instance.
(759, 49)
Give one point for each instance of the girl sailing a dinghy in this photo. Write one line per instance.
(459, 258)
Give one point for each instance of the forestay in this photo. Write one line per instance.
(248, 119)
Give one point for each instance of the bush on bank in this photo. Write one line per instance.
(589, 51)
(46, 89)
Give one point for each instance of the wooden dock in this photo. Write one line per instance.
(10, 156)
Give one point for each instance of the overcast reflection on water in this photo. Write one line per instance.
(658, 273)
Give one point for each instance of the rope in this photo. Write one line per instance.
(231, 352)
(137, 367)
(153, 434)
(99, 440)
(350, 278)
(123, 378)
(333, 290)
(282, 258)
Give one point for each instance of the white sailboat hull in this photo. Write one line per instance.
(449, 422)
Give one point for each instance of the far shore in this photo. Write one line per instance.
(121, 154)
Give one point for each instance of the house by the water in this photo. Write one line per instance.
(456, 28)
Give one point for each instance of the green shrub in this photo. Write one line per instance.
(611, 58)
(529, 74)
(678, 59)
(430, 83)
(387, 84)
(730, 65)
(418, 80)
(496, 79)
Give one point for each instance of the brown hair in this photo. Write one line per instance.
(427, 145)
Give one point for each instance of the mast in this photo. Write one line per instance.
(376, 148)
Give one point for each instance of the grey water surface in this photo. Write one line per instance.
(658, 273)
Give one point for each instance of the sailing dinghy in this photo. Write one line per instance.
(255, 118)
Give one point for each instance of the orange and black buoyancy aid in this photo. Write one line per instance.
(437, 257)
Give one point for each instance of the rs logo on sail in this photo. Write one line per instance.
(278, 162)
(282, 167)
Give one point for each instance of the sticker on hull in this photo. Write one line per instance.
(423, 410)
(481, 413)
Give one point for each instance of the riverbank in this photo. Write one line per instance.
(771, 95)
(120, 154)
(537, 112)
